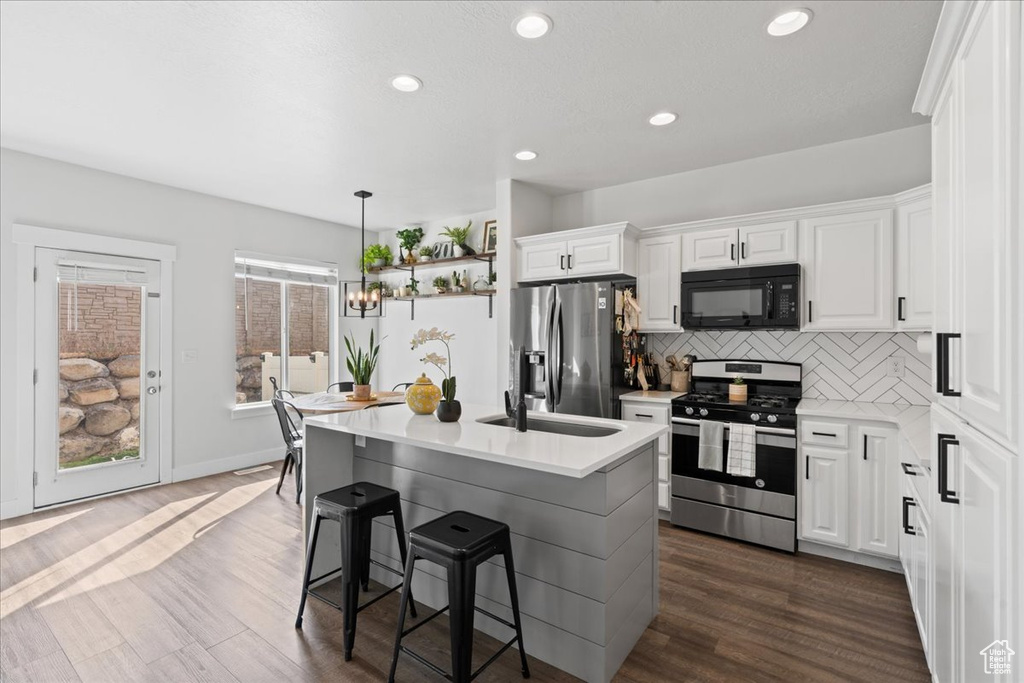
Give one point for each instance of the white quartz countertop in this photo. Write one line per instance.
(571, 456)
(651, 396)
(914, 422)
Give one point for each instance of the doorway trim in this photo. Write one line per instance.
(27, 238)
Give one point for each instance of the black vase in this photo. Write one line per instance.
(449, 411)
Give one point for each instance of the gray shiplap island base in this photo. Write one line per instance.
(583, 514)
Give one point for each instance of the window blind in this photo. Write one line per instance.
(288, 272)
(71, 272)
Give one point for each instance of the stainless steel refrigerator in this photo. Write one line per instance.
(574, 354)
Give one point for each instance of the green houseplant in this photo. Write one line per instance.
(457, 283)
(408, 239)
(375, 256)
(738, 390)
(426, 253)
(441, 284)
(361, 365)
(448, 410)
(459, 236)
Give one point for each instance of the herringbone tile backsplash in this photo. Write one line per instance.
(836, 366)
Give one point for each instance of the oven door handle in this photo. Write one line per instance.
(757, 428)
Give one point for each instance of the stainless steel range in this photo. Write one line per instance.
(760, 508)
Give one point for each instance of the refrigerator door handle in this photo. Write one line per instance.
(549, 360)
(556, 337)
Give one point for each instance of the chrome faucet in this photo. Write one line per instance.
(519, 375)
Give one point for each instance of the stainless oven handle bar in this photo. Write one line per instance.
(759, 429)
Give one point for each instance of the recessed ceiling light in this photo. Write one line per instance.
(533, 25)
(663, 118)
(406, 83)
(526, 155)
(789, 22)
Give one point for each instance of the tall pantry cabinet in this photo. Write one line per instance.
(971, 88)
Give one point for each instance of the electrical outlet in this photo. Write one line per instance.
(895, 366)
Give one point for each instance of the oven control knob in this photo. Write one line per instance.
(754, 417)
(773, 418)
(689, 411)
(703, 412)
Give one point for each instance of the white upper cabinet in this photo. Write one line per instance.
(915, 281)
(658, 267)
(769, 243)
(750, 245)
(707, 249)
(848, 271)
(587, 252)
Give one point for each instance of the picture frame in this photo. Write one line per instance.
(490, 236)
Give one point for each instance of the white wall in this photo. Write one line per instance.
(466, 317)
(853, 169)
(206, 231)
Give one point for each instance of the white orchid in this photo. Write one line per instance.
(435, 359)
(440, 362)
(433, 334)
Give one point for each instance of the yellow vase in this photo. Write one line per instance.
(423, 396)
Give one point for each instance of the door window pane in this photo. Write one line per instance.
(257, 338)
(99, 341)
(308, 338)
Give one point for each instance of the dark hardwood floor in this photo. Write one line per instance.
(199, 581)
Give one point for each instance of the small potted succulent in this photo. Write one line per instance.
(457, 284)
(414, 287)
(426, 253)
(361, 365)
(459, 236)
(738, 390)
(448, 410)
(376, 256)
(408, 239)
(441, 284)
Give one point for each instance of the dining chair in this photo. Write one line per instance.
(293, 441)
(342, 386)
(280, 393)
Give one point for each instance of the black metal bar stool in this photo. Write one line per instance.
(460, 542)
(355, 507)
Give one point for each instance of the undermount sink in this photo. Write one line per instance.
(534, 424)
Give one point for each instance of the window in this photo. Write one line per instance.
(280, 306)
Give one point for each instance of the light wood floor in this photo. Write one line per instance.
(199, 581)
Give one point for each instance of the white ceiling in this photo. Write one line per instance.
(288, 105)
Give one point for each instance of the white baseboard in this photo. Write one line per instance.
(235, 462)
(811, 548)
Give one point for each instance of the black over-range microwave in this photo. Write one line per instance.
(763, 297)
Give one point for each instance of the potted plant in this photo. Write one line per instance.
(414, 287)
(738, 390)
(361, 365)
(441, 284)
(408, 239)
(426, 253)
(448, 410)
(458, 236)
(376, 256)
(457, 283)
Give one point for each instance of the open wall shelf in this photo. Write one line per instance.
(489, 293)
(411, 268)
(437, 263)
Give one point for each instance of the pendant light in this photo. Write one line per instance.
(363, 301)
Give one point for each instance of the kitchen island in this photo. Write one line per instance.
(582, 511)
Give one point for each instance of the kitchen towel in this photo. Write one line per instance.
(742, 460)
(709, 453)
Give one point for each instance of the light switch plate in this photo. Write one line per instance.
(895, 366)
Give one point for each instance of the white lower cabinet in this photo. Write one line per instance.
(655, 413)
(916, 555)
(850, 487)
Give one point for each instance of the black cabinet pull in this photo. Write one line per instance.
(823, 434)
(945, 493)
(908, 469)
(865, 446)
(675, 314)
(732, 252)
(643, 415)
(807, 467)
(810, 311)
(743, 250)
(943, 353)
(907, 529)
(899, 308)
(570, 261)
(561, 262)
(940, 362)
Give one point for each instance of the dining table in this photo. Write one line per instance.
(325, 403)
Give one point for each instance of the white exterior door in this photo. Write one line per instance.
(915, 282)
(825, 506)
(769, 243)
(878, 491)
(706, 249)
(97, 394)
(599, 255)
(987, 353)
(544, 261)
(848, 283)
(658, 285)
